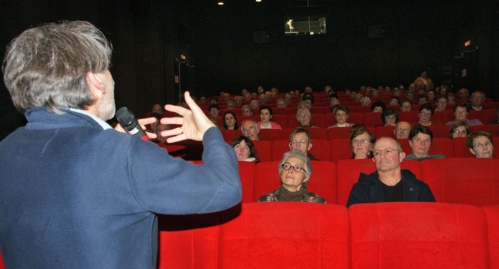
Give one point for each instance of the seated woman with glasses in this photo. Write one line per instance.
(481, 145)
(341, 115)
(459, 128)
(294, 171)
(361, 142)
(245, 149)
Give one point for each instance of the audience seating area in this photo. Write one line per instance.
(305, 235)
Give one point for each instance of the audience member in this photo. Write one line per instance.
(441, 103)
(281, 103)
(420, 139)
(365, 101)
(390, 117)
(431, 95)
(250, 129)
(459, 128)
(405, 106)
(254, 104)
(214, 111)
(245, 149)
(477, 99)
(294, 170)
(361, 142)
(301, 139)
(304, 104)
(461, 112)
(304, 117)
(230, 121)
(463, 94)
(422, 99)
(266, 116)
(231, 104)
(157, 108)
(341, 115)
(424, 80)
(213, 101)
(481, 145)
(451, 99)
(247, 111)
(425, 114)
(402, 130)
(378, 106)
(394, 100)
(389, 183)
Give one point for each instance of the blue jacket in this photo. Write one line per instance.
(73, 195)
(369, 189)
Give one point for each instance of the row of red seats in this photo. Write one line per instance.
(452, 180)
(305, 235)
(327, 150)
(344, 132)
(372, 119)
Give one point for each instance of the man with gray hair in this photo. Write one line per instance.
(389, 183)
(75, 193)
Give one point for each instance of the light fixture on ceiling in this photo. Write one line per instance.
(220, 3)
(258, 1)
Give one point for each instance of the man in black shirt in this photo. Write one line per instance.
(389, 183)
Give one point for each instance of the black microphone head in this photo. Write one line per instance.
(125, 117)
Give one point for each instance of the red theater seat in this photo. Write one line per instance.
(439, 145)
(463, 180)
(340, 149)
(372, 119)
(229, 135)
(263, 149)
(317, 120)
(441, 131)
(460, 148)
(492, 220)
(417, 235)
(247, 176)
(384, 131)
(286, 235)
(281, 119)
(492, 129)
(270, 134)
(409, 116)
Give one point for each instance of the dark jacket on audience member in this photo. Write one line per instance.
(369, 189)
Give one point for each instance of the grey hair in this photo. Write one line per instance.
(300, 155)
(47, 65)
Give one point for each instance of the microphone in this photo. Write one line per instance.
(127, 120)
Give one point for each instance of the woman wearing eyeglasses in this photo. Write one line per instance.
(294, 171)
(459, 128)
(361, 142)
(481, 145)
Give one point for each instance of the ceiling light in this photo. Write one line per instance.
(220, 3)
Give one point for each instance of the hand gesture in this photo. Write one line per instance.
(194, 122)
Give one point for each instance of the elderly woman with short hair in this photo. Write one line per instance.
(294, 171)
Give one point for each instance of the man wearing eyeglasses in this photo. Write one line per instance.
(389, 183)
(481, 145)
(301, 139)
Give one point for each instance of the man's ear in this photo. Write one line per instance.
(402, 156)
(309, 146)
(94, 81)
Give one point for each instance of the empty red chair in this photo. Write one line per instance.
(338, 133)
(409, 116)
(263, 149)
(340, 149)
(417, 235)
(492, 220)
(460, 148)
(286, 235)
(281, 119)
(463, 180)
(441, 131)
(384, 131)
(492, 129)
(270, 134)
(372, 119)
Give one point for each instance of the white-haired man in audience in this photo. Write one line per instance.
(250, 129)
